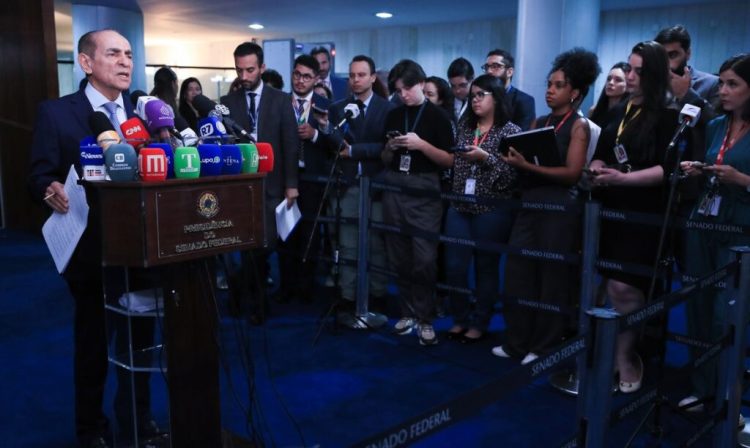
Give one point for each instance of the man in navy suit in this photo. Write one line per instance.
(106, 58)
(500, 63)
(267, 114)
(337, 85)
(297, 278)
(359, 155)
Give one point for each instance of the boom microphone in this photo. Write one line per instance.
(183, 132)
(351, 111)
(688, 118)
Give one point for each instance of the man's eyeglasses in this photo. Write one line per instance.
(493, 66)
(304, 76)
(480, 95)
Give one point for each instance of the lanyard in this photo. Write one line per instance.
(625, 121)
(416, 120)
(727, 144)
(478, 133)
(561, 123)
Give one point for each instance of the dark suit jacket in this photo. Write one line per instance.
(277, 126)
(339, 87)
(520, 108)
(60, 126)
(366, 136)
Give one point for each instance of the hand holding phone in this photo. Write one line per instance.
(393, 134)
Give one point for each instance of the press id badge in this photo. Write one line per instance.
(405, 163)
(471, 185)
(709, 206)
(620, 153)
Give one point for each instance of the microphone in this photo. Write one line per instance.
(159, 118)
(136, 95)
(351, 111)
(121, 162)
(249, 157)
(210, 157)
(207, 108)
(186, 162)
(103, 130)
(167, 148)
(688, 118)
(183, 132)
(139, 100)
(231, 158)
(135, 132)
(211, 128)
(152, 164)
(92, 162)
(265, 157)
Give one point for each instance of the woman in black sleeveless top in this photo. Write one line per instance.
(554, 284)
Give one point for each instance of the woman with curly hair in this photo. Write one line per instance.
(531, 332)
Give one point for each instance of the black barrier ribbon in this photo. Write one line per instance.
(468, 404)
(472, 199)
(687, 340)
(520, 301)
(674, 298)
(703, 430)
(642, 399)
(489, 246)
(658, 220)
(624, 266)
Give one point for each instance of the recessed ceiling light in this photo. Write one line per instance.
(384, 15)
(255, 26)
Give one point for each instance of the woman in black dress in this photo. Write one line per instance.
(628, 169)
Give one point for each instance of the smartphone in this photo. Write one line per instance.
(590, 172)
(459, 149)
(392, 134)
(700, 165)
(680, 71)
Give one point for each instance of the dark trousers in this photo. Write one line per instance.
(413, 258)
(548, 282)
(297, 278)
(492, 226)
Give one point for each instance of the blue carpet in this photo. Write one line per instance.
(351, 385)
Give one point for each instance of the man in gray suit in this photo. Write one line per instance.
(267, 114)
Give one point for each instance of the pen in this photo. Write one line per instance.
(49, 196)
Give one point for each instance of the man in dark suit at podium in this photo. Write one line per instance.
(267, 114)
(106, 58)
(500, 64)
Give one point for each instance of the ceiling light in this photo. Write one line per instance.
(384, 15)
(255, 26)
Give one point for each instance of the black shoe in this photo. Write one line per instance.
(96, 442)
(456, 336)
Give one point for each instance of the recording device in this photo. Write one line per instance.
(159, 119)
(140, 99)
(135, 133)
(249, 157)
(211, 128)
(393, 134)
(136, 95)
(210, 159)
(121, 162)
(265, 157)
(320, 104)
(152, 164)
(92, 162)
(231, 159)
(187, 163)
(207, 108)
(103, 130)
(459, 148)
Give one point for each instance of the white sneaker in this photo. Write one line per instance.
(531, 357)
(498, 351)
(687, 401)
(404, 326)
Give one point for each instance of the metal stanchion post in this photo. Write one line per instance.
(362, 317)
(732, 359)
(595, 401)
(567, 380)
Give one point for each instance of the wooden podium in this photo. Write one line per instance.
(175, 225)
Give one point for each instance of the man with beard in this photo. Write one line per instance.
(499, 63)
(266, 113)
